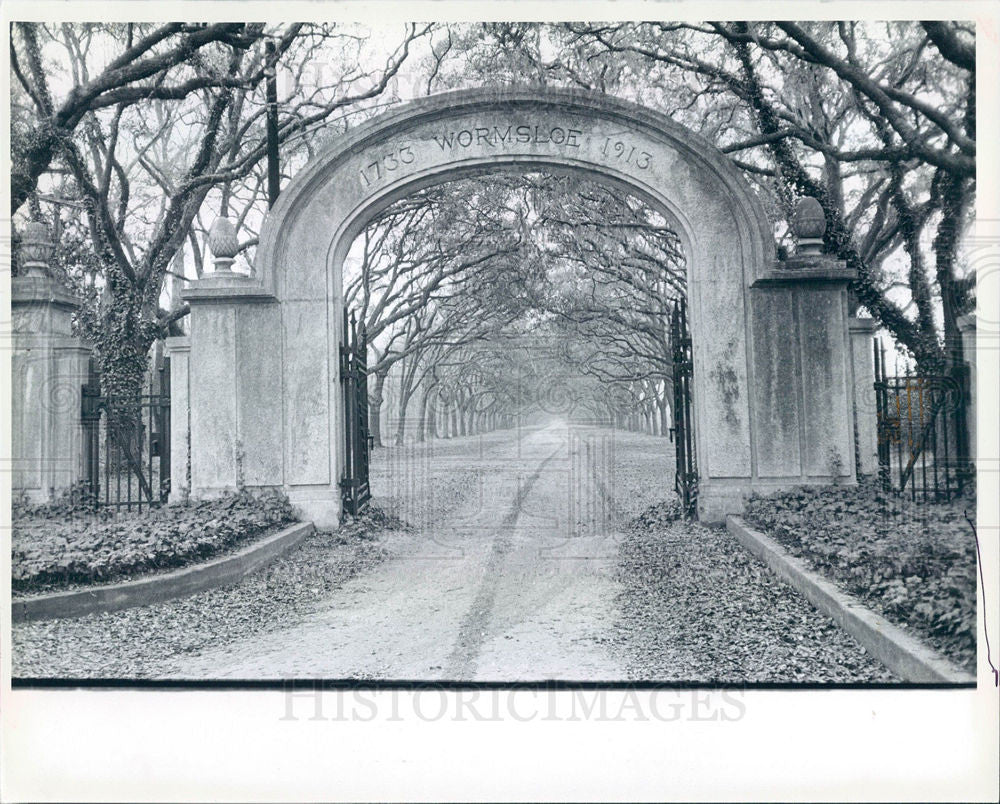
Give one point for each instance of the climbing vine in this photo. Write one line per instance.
(794, 180)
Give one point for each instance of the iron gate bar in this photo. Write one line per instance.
(928, 412)
(125, 447)
(686, 473)
(354, 484)
(917, 450)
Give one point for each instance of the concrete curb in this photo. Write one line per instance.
(157, 588)
(908, 658)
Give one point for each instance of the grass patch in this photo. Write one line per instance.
(65, 544)
(915, 563)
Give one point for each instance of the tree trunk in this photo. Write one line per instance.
(460, 415)
(435, 417)
(423, 424)
(945, 244)
(405, 394)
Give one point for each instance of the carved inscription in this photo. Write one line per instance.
(497, 136)
(629, 154)
(386, 163)
(456, 140)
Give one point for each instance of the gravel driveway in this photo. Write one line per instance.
(518, 565)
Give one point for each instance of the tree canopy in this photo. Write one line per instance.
(130, 139)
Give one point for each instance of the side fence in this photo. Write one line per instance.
(126, 443)
(924, 438)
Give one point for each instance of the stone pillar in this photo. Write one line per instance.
(234, 385)
(967, 328)
(49, 368)
(802, 377)
(264, 392)
(179, 351)
(863, 382)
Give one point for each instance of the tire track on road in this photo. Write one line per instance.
(461, 664)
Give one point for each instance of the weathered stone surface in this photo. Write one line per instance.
(28, 373)
(213, 397)
(827, 415)
(776, 382)
(62, 396)
(258, 396)
(40, 306)
(967, 328)
(321, 505)
(48, 368)
(718, 328)
(863, 378)
(179, 352)
(308, 346)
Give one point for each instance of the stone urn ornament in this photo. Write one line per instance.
(223, 243)
(36, 249)
(809, 225)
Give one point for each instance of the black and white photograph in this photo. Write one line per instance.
(414, 352)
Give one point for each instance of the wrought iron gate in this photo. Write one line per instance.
(922, 431)
(355, 490)
(686, 474)
(126, 443)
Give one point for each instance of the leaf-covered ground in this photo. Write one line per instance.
(915, 563)
(149, 641)
(65, 545)
(693, 598)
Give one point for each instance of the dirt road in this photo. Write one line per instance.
(505, 576)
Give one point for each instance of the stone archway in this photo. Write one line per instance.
(770, 344)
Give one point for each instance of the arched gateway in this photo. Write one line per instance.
(771, 368)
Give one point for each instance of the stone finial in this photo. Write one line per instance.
(809, 225)
(36, 249)
(224, 244)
